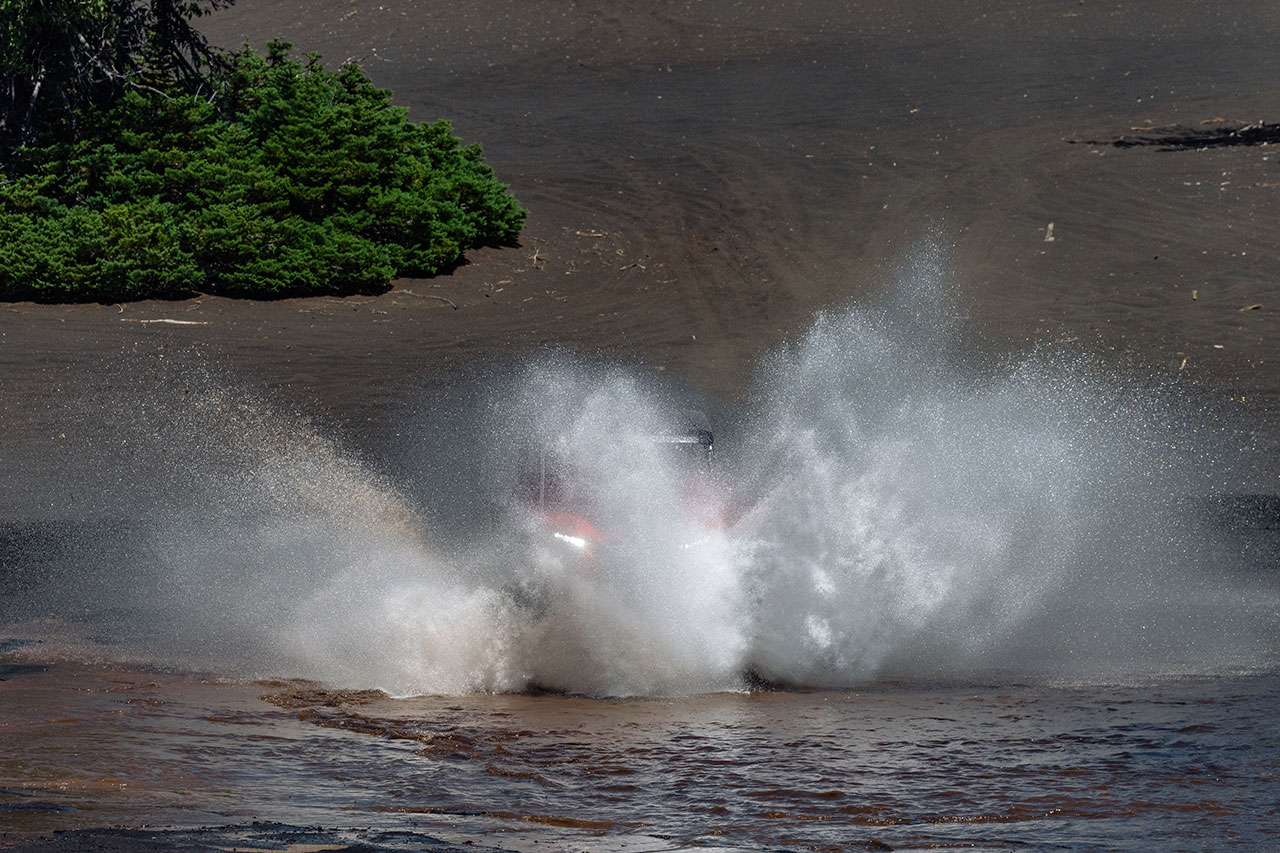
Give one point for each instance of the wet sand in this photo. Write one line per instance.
(703, 178)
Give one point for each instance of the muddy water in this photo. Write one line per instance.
(1178, 764)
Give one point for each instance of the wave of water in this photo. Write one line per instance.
(893, 504)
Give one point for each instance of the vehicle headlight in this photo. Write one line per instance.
(574, 541)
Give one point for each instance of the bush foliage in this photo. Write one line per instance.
(289, 180)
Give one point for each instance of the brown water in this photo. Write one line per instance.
(1186, 764)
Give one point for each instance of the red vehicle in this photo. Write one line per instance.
(586, 508)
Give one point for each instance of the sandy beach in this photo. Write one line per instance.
(703, 179)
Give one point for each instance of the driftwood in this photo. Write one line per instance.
(1177, 138)
(431, 296)
(166, 320)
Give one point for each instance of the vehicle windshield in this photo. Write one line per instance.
(554, 481)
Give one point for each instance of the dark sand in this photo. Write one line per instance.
(703, 177)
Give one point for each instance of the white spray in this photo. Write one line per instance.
(895, 505)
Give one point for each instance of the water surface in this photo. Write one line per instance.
(1183, 764)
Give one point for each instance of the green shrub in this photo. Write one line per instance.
(292, 180)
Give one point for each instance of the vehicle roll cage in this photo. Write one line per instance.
(690, 428)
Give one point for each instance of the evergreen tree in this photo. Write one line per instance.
(288, 180)
(61, 60)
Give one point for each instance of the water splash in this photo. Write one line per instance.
(657, 609)
(896, 504)
(921, 512)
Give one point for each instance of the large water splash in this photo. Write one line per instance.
(894, 505)
(922, 512)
